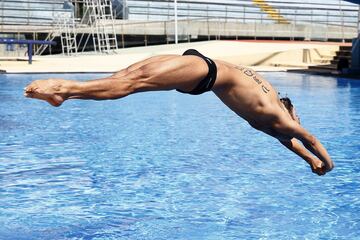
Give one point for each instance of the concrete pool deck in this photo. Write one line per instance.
(260, 55)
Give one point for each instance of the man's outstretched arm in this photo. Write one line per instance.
(309, 141)
(317, 166)
(314, 145)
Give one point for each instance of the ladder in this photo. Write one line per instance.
(102, 25)
(98, 16)
(66, 28)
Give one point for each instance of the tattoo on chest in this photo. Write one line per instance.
(250, 73)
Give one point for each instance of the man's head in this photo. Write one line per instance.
(291, 109)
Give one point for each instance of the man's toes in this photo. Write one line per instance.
(31, 88)
(29, 94)
(28, 90)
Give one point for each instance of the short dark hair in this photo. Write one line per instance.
(287, 103)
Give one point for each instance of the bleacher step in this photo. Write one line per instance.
(322, 60)
(324, 67)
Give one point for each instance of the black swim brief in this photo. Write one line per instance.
(207, 83)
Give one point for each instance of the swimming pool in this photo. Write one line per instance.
(165, 165)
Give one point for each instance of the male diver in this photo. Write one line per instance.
(244, 91)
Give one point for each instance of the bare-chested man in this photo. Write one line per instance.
(241, 89)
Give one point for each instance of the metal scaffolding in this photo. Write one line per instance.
(98, 15)
(66, 28)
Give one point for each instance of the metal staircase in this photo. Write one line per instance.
(67, 32)
(100, 18)
(65, 29)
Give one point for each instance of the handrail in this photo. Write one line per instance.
(341, 20)
(240, 3)
(35, 9)
(141, 22)
(296, 12)
(24, 16)
(180, 7)
(35, 1)
(235, 11)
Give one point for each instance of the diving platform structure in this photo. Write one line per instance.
(204, 20)
(99, 16)
(97, 22)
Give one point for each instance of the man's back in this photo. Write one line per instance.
(248, 94)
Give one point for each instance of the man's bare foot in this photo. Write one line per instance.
(50, 90)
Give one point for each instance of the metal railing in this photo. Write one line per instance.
(296, 12)
(331, 13)
(31, 12)
(334, 19)
(218, 28)
(229, 19)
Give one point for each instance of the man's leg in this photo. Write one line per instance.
(177, 72)
(139, 64)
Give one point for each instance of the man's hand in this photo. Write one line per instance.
(318, 167)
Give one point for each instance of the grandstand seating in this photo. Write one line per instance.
(42, 12)
(333, 12)
(270, 11)
(33, 12)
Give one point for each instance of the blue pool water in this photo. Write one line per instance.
(165, 165)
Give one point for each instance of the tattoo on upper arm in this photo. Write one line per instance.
(250, 73)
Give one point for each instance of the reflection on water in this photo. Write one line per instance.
(170, 166)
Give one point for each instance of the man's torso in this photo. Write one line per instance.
(249, 95)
